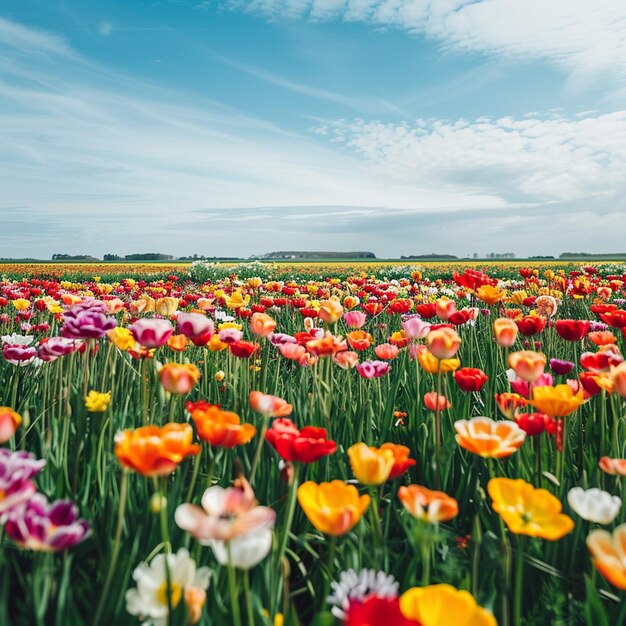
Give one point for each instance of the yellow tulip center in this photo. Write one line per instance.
(176, 592)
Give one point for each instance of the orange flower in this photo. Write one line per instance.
(443, 343)
(613, 466)
(270, 406)
(9, 422)
(371, 466)
(431, 364)
(155, 451)
(489, 294)
(618, 376)
(333, 508)
(220, 428)
(508, 403)
(399, 339)
(402, 462)
(179, 377)
(326, 346)
(178, 343)
(528, 511)
(601, 337)
(262, 324)
(359, 340)
(445, 307)
(556, 401)
(505, 331)
(386, 351)
(608, 553)
(427, 505)
(433, 401)
(330, 311)
(488, 438)
(528, 365)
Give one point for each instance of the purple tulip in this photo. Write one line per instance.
(561, 367)
(279, 339)
(86, 320)
(16, 471)
(57, 347)
(46, 527)
(15, 353)
(597, 326)
(152, 333)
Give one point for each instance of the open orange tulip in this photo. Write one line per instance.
(425, 504)
(528, 365)
(155, 451)
(556, 401)
(490, 294)
(443, 605)
(220, 428)
(608, 553)
(528, 511)
(488, 438)
(333, 508)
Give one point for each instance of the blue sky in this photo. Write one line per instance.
(232, 127)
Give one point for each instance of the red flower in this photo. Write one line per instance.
(572, 330)
(243, 349)
(472, 279)
(306, 445)
(470, 378)
(426, 311)
(616, 319)
(599, 361)
(376, 611)
(458, 318)
(598, 309)
(535, 423)
(373, 308)
(401, 305)
(531, 325)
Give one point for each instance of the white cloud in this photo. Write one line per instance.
(31, 41)
(586, 39)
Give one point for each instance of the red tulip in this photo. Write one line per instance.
(306, 445)
(470, 378)
(572, 330)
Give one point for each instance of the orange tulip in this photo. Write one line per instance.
(333, 508)
(178, 343)
(608, 553)
(443, 343)
(427, 505)
(528, 511)
(155, 451)
(330, 311)
(179, 378)
(528, 365)
(613, 466)
(401, 462)
(556, 401)
(262, 324)
(445, 307)
(220, 428)
(488, 438)
(490, 294)
(618, 376)
(386, 351)
(359, 340)
(433, 401)
(9, 422)
(505, 331)
(271, 406)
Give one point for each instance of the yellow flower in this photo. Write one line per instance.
(371, 466)
(237, 300)
(607, 554)
(518, 297)
(443, 605)
(122, 338)
(21, 304)
(431, 363)
(330, 311)
(166, 306)
(528, 511)
(556, 401)
(216, 345)
(333, 508)
(225, 325)
(97, 402)
(489, 294)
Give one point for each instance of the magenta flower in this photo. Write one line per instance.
(561, 367)
(152, 333)
(15, 353)
(45, 527)
(372, 369)
(86, 320)
(56, 347)
(194, 325)
(280, 339)
(16, 486)
(523, 388)
(230, 335)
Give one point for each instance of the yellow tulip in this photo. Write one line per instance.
(121, 338)
(237, 300)
(371, 466)
(443, 605)
(556, 401)
(333, 508)
(166, 306)
(431, 363)
(97, 402)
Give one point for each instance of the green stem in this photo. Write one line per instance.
(168, 550)
(248, 598)
(519, 582)
(232, 586)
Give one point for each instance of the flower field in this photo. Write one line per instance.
(327, 444)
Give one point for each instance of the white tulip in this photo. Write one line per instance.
(245, 550)
(594, 505)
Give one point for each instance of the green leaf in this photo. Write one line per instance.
(595, 615)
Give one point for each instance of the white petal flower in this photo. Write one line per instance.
(594, 505)
(245, 550)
